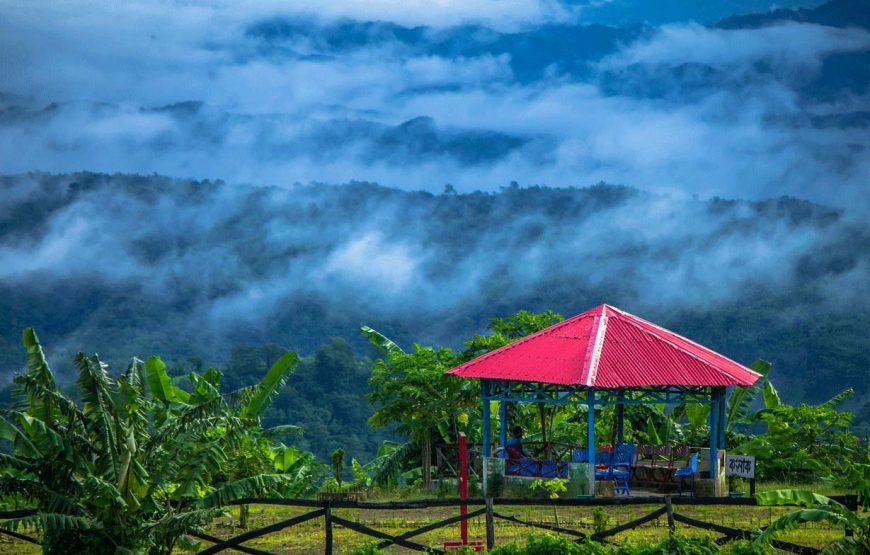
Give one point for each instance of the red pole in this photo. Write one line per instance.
(463, 486)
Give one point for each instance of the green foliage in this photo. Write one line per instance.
(746, 547)
(326, 397)
(551, 487)
(360, 475)
(379, 340)
(818, 508)
(412, 392)
(338, 465)
(549, 544)
(140, 466)
(857, 479)
(599, 520)
(273, 381)
(673, 545)
(802, 441)
(737, 409)
(370, 548)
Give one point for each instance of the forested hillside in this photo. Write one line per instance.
(208, 274)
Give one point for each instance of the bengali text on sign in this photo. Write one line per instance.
(742, 466)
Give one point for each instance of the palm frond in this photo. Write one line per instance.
(272, 382)
(11, 461)
(207, 459)
(160, 384)
(282, 430)
(96, 387)
(101, 493)
(37, 365)
(21, 444)
(792, 497)
(740, 400)
(791, 520)
(847, 546)
(837, 399)
(252, 486)
(360, 476)
(38, 370)
(383, 469)
(380, 340)
(49, 521)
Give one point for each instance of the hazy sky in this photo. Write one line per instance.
(481, 96)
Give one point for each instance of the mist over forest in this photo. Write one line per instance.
(207, 181)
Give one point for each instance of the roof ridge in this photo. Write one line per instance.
(596, 340)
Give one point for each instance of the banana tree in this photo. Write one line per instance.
(141, 466)
(738, 409)
(816, 508)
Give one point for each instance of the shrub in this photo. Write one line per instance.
(674, 545)
(367, 549)
(745, 547)
(549, 544)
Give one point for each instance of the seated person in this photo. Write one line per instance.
(514, 445)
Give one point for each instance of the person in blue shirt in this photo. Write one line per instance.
(514, 445)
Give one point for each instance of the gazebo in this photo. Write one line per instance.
(606, 356)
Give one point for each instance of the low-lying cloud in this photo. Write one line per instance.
(190, 90)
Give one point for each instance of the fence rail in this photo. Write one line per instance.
(324, 509)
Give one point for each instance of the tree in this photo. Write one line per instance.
(338, 465)
(803, 440)
(142, 464)
(412, 391)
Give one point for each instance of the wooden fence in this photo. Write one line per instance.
(667, 506)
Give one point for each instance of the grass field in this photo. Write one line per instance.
(308, 538)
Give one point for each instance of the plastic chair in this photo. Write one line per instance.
(687, 471)
(620, 469)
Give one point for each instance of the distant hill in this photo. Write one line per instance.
(835, 13)
(125, 264)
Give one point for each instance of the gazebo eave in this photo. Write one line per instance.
(514, 391)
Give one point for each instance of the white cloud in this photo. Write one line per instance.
(787, 46)
(750, 137)
(371, 260)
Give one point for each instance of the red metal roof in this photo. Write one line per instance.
(607, 347)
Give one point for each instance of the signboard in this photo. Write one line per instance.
(742, 466)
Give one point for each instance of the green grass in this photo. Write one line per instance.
(308, 538)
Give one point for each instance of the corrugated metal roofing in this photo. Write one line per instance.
(607, 347)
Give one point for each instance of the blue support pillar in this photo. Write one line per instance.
(590, 436)
(484, 394)
(714, 431)
(502, 424)
(620, 418)
(722, 423)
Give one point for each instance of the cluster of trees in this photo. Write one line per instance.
(802, 442)
(160, 286)
(138, 462)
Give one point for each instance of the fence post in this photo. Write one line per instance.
(670, 510)
(328, 528)
(490, 529)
